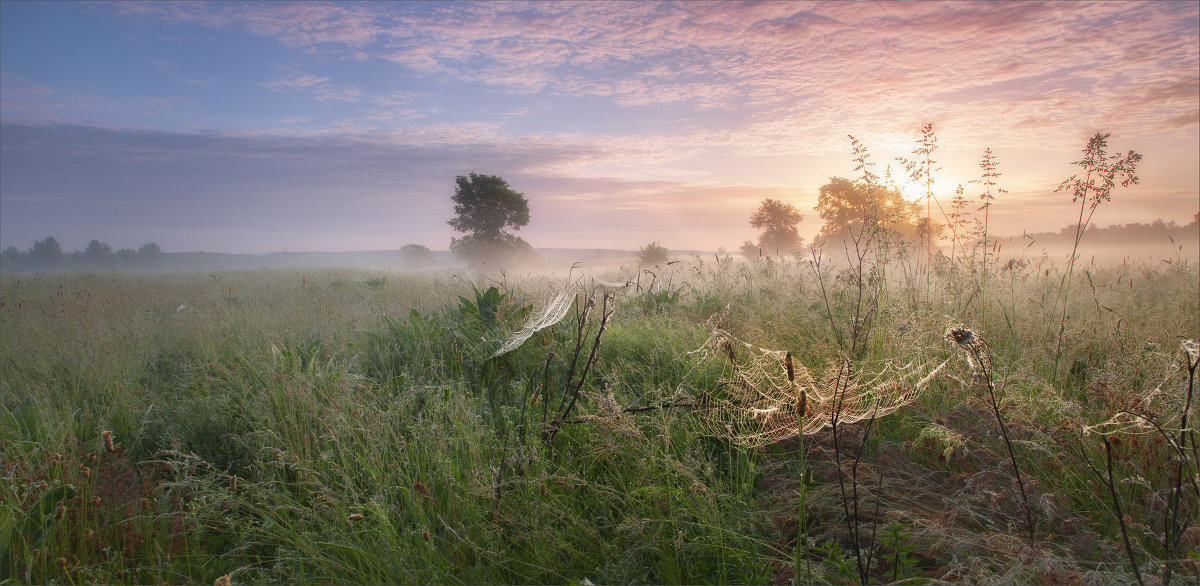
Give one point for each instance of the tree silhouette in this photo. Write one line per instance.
(11, 256)
(848, 208)
(46, 252)
(416, 255)
(97, 251)
(484, 206)
(653, 253)
(750, 250)
(777, 221)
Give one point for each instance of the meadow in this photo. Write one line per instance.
(985, 424)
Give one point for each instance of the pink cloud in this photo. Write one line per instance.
(839, 60)
(300, 81)
(320, 87)
(1004, 75)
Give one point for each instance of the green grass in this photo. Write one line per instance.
(340, 426)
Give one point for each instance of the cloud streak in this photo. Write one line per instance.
(828, 62)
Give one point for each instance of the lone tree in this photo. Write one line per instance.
(149, 254)
(416, 255)
(653, 253)
(777, 221)
(150, 250)
(484, 206)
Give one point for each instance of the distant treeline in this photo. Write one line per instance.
(1157, 232)
(48, 254)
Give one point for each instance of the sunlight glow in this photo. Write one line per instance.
(914, 191)
(944, 187)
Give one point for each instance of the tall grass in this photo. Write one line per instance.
(310, 427)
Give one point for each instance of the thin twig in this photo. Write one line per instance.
(1117, 507)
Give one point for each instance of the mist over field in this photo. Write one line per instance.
(1147, 243)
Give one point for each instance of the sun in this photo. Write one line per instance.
(913, 192)
(943, 189)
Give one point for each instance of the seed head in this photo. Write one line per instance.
(971, 342)
(421, 489)
(964, 338)
(108, 441)
(222, 581)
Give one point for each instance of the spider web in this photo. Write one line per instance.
(766, 396)
(1146, 416)
(553, 313)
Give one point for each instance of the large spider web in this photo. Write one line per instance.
(766, 396)
(554, 311)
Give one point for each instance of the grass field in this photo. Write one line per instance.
(326, 426)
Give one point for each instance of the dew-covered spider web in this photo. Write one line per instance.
(1157, 411)
(553, 312)
(765, 396)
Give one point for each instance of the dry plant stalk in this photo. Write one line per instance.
(979, 357)
(551, 429)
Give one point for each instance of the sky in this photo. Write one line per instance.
(270, 126)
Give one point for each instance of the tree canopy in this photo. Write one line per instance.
(750, 250)
(150, 250)
(485, 207)
(653, 253)
(777, 221)
(847, 207)
(46, 251)
(97, 250)
(416, 255)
